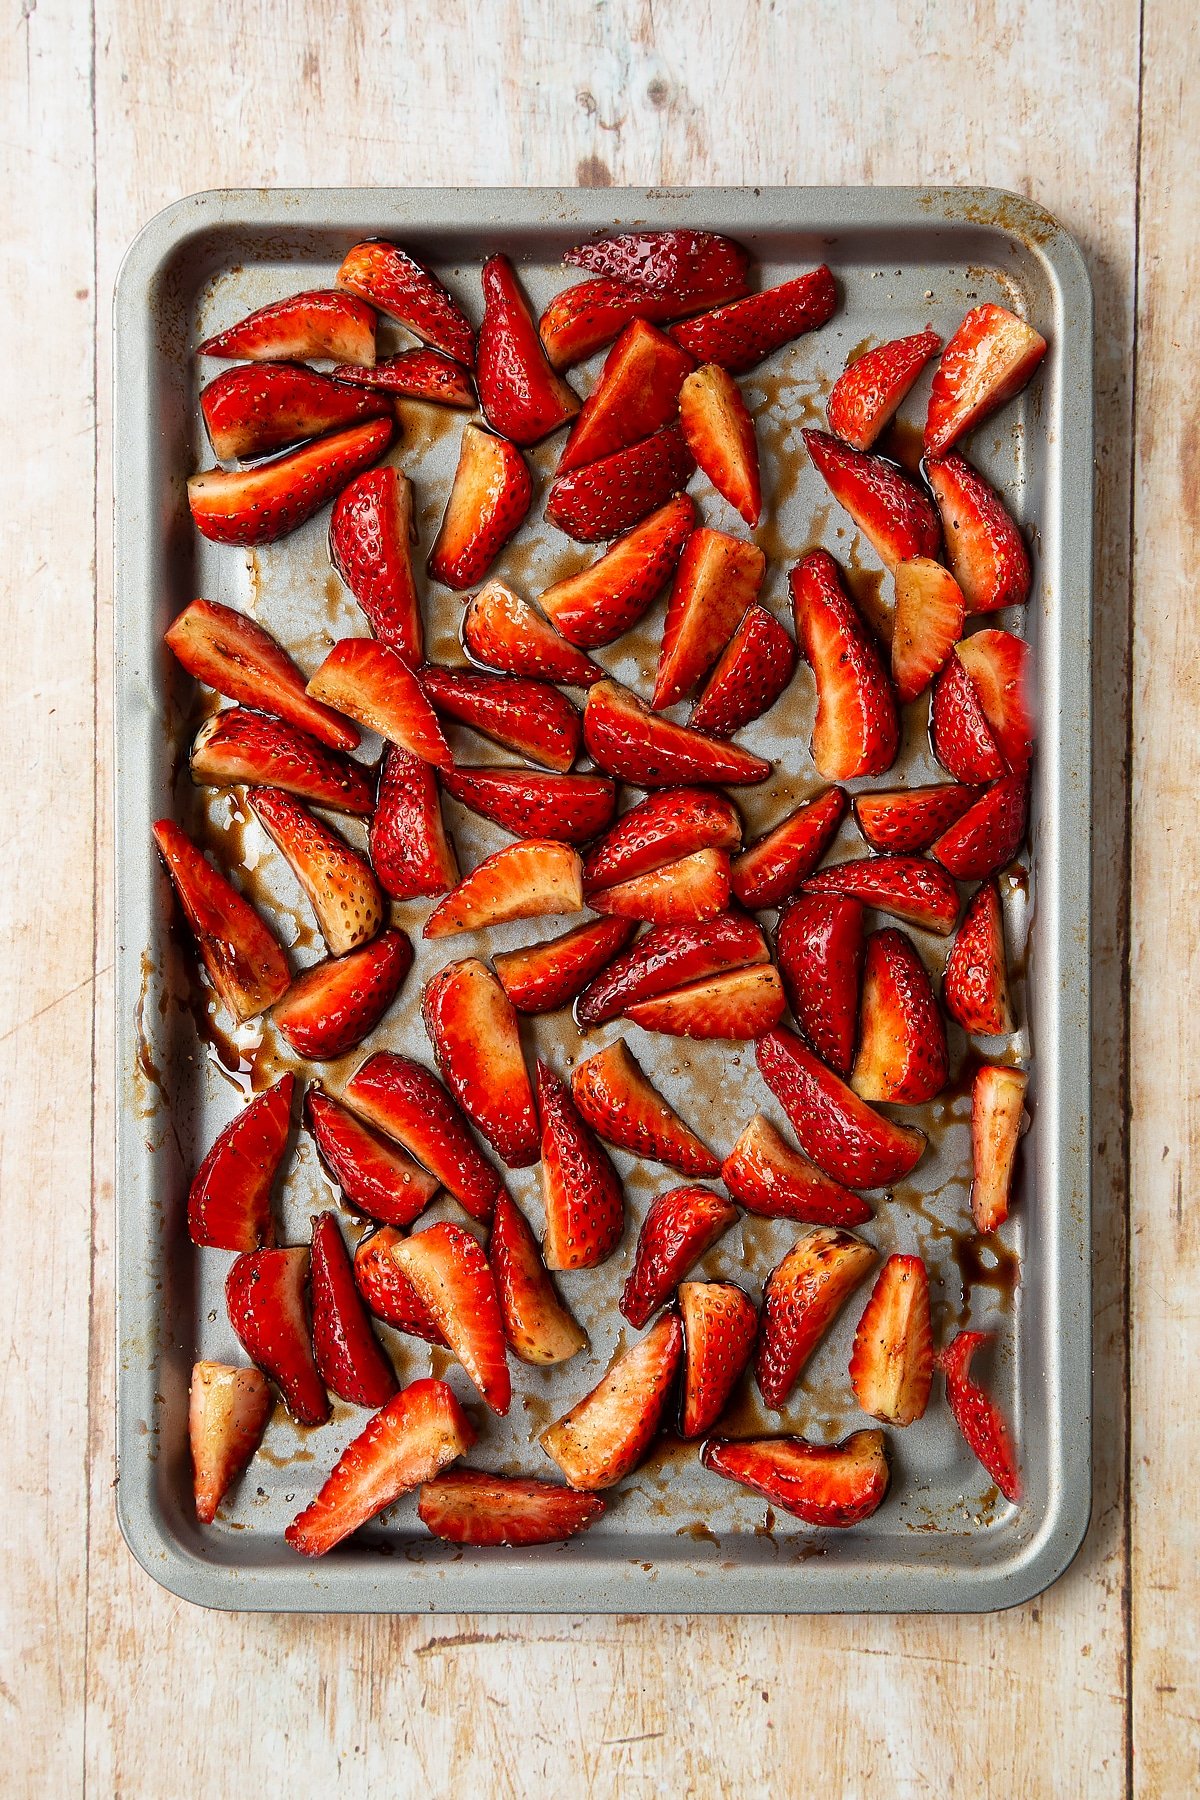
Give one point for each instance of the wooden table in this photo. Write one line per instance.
(109, 1686)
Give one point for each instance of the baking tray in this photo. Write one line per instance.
(674, 1538)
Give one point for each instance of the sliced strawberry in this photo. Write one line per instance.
(387, 1291)
(740, 1005)
(520, 393)
(319, 323)
(229, 1201)
(258, 505)
(530, 717)
(392, 280)
(908, 819)
(228, 1411)
(661, 829)
(375, 686)
(988, 360)
(678, 1228)
(977, 1415)
(371, 535)
(720, 1324)
(910, 887)
(891, 1365)
(717, 579)
(1000, 668)
(410, 849)
(410, 1441)
(670, 956)
(926, 624)
(867, 395)
(773, 867)
(623, 736)
(585, 1208)
(334, 1005)
(351, 1363)
(894, 515)
(473, 1029)
(989, 834)
(417, 375)
(803, 1296)
(820, 943)
(260, 407)
(636, 394)
(375, 1176)
(833, 1485)
(698, 266)
(975, 985)
(902, 1055)
(339, 884)
(537, 1324)
(694, 888)
(606, 497)
(611, 1430)
(542, 977)
(570, 808)
(450, 1273)
(244, 962)
(856, 731)
(741, 334)
(603, 601)
(843, 1135)
(407, 1102)
(720, 435)
(469, 1507)
(264, 1294)
(490, 496)
(997, 1102)
(984, 545)
(623, 1106)
(583, 318)
(767, 1176)
(237, 746)
(959, 734)
(504, 632)
(527, 880)
(752, 672)
(236, 656)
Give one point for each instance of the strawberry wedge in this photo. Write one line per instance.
(261, 407)
(584, 1205)
(606, 497)
(532, 879)
(977, 1415)
(397, 284)
(902, 1056)
(624, 737)
(537, 1325)
(867, 395)
(984, 546)
(857, 730)
(229, 1201)
(411, 852)
(490, 496)
(374, 685)
(240, 659)
(530, 717)
(570, 808)
(768, 1177)
(417, 375)
(336, 880)
(371, 533)
(751, 673)
(258, 505)
(610, 1431)
(473, 1029)
(264, 1296)
(662, 829)
(997, 1111)
(586, 317)
(237, 746)
(334, 1005)
(820, 944)
(700, 268)
(387, 1292)
(694, 888)
(975, 985)
(349, 1357)
(891, 1366)
(741, 334)
(637, 393)
(677, 1230)
(719, 1327)
(896, 517)
(909, 819)
(773, 867)
(844, 1136)
(803, 1296)
(502, 631)
(669, 957)
(718, 577)
(469, 1507)
(540, 978)
(720, 435)
(228, 1409)
(739, 1005)
(926, 624)
(913, 889)
(621, 1104)
(596, 606)
(522, 396)
(317, 324)
(407, 1103)
(375, 1176)
(451, 1276)
(988, 360)
(244, 961)
(832, 1485)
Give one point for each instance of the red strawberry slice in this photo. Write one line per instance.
(975, 985)
(752, 672)
(473, 1029)
(244, 962)
(960, 736)
(989, 834)
(803, 1296)
(609, 495)
(530, 717)
(407, 1102)
(264, 1294)
(997, 1103)
(520, 393)
(371, 535)
(469, 1507)
(894, 515)
(699, 266)
(387, 1291)
(611, 1430)
(260, 407)
(319, 323)
(740, 1005)
(867, 395)
(977, 1415)
(661, 829)
(856, 731)
(542, 977)
(228, 1410)
(394, 282)
(741, 334)
(410, 849)
(258, 505)
(833, 1485)
(504, 632)
(237, 746)
(416, 375)
(623, 1106)
(667, 957)
(767, 1176)
(1000, 668)
(537, 1325)
(984, 545)
(694, 888)
(408, 1442)
(820, 944)
(926, 624)
(236, 656)
(585, 1208)
(720, 435)
(908, 819)
(910, 887)
(375, 1176)
(717, 579)
(450, 1273)
(988, 360)
(583, 318)
(490, 496)
(229, 1201)
(374, 685)
(841, 1133)
(677, 1230)
(623, 736)
(351, 1363)
(528, 880)
(339, 884)
(638, 391)
(603, 601)
(719, 1327)
(570, 808)
(773, 867)
(902, 1055)
(334, 1005)
(891, 1365)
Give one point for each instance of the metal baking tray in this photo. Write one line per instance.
(675, 1539)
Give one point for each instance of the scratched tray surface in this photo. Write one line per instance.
(674, 1536)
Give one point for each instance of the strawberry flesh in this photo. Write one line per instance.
(264, 1295)
(856, 730)
(867, 395)
(491, 493)
(374, 685)
(720, 435)
(891, 1365)
(392, 280)
(677, 1230)
(902, 1055)
(502, 631)
(387, 1291)
(470, 1507)
(260, 407)
(768, 1177)
(236, 746)
(351, 1363)
(521, 395)
(334, 1005)
(371, 533)
(603, 601)
(584, 1204)
(527, 880)
(408, 1103)
(988, 360)
(229, 1201)
(228, 1410)
(773, 867)
(637, 393)
(583, 318)
(259, 505)
(450, 1273)
(623, 1106)
(833, 1485)
(319, 323)
(662, 829)
(537, 1325)
(244, 962)
(844, 1136)
(610, 1431)
(1000, 668)
(926, 624)
(720, 1324)
(375, 1176)
(803, 1296)
(240, 659)
(694, 888)
(718, 577)
(473, 1029)
(540, 978)
(997, 1103)
(337, 881)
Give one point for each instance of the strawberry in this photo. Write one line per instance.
(741, 334)
(997, 1100)
(984, 545)
(753, 670)
(258, 505)
(989, 833)
(375, 1176)
(960, 736)
(868, 393)
(773, 867)
(976, 1413)
(833, 1485)
(410, 849)
(387, 1291)
(264, 1294)
(926, 624)
(719, 1327)
(540, 978)
(339, 884)
(490, 496)
(623, 736)
(910, 887)
(530, 717)
(891, 1365)
(636, 394)
(416, 375)
(526, 880)
(569, 808)
(469, 1507)
(895, 516)
(768, 1177)
(585, 1208)
(394, 282)
(609, 495)
(408, 1442)
(407, 1102)
(661, 829)
(374, 685)
(677, 1230)
(521, 396)
(229, 1201)
(334, 1005)
(610, 1431)
(349, 1358)
(237, 746)
(450, 1273)
(319, 323)
(804, 1294)
(694, 888)
(842, 1134)
(244, 962)
(228, 1411)
(717, 579)
(742, 1004)
(902, 1055)
(670, 956)
(473, 1030)
(1000, 668)
(583, 318)
(697, 266)
(988, 360)
(908, 819)
(504, 632)
(623, 1106)
(371, 535)
(603, 601)
(236, 656)
(260, 407)
(720, 435)
(820, 945)
(536, 1323)
(975, 985)
(856, 731)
